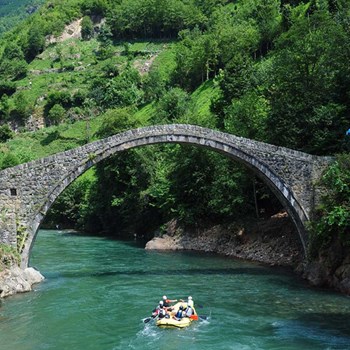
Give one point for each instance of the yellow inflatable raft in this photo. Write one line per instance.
(170, 321)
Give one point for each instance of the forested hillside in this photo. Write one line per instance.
(275, 70)
(13, 11)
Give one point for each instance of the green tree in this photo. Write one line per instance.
(56, 114)
(13, 51)
(105, 37)
(35, 42)
(172, 106)
(120, 91)
(267, 15)
(4, 108)
(247, 116)
(5, 133)
(87, 28)
(62, 98)
(308, 83)
(22, 107)
(333, 215)
(235, 35)
(70, 208)
(154, 18)
(116, 121)
(9, 160)
(7, 88)
(196, 59)
(153, 86)
(114, 200)
(95, 7)
(206, 186)
(13, 69)
(234, 81)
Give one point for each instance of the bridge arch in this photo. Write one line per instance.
(290, 174)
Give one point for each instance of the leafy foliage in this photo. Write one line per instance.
(5, 133)
(56, 114)
(333, 217)
(307, 89)
(87, 28)
(120, 91)
(8, 256)
(154, 18)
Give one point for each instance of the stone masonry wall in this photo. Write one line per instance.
(28, 190)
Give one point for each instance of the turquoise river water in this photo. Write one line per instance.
(98, 290)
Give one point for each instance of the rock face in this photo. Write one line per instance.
(164, 243)
(273, 242)
(16, 280)
(331, 268)
(72, 30)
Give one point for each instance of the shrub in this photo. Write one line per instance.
(9, 160)
(7, 87)
(56, 114)
(87, 28)
(5, 133)
(333, 215)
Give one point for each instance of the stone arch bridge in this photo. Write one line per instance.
(28, 190)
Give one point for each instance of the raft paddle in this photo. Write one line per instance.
(147, 319)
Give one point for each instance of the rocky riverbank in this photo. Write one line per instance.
(14, 280)
(330, 268)
(272, 241)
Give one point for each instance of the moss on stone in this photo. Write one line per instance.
(8, 256)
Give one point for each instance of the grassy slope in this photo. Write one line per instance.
(33, 145)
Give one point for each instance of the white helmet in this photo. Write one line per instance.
(189, 298)
(164, 297)
(161, 302)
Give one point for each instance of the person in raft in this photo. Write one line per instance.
(162, 312)
(167, 302)
(190, 302)
(155, 312)
(189, 309)
(179, 313)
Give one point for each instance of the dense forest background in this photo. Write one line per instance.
(272, 70)
(14, 11)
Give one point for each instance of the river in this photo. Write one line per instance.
(98, 290)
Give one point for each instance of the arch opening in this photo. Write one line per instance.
(261, 170)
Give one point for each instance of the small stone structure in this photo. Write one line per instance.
(28, 190)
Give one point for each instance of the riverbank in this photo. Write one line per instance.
(272, 241)
(13, 279)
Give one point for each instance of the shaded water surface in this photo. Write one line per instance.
(97, 291)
